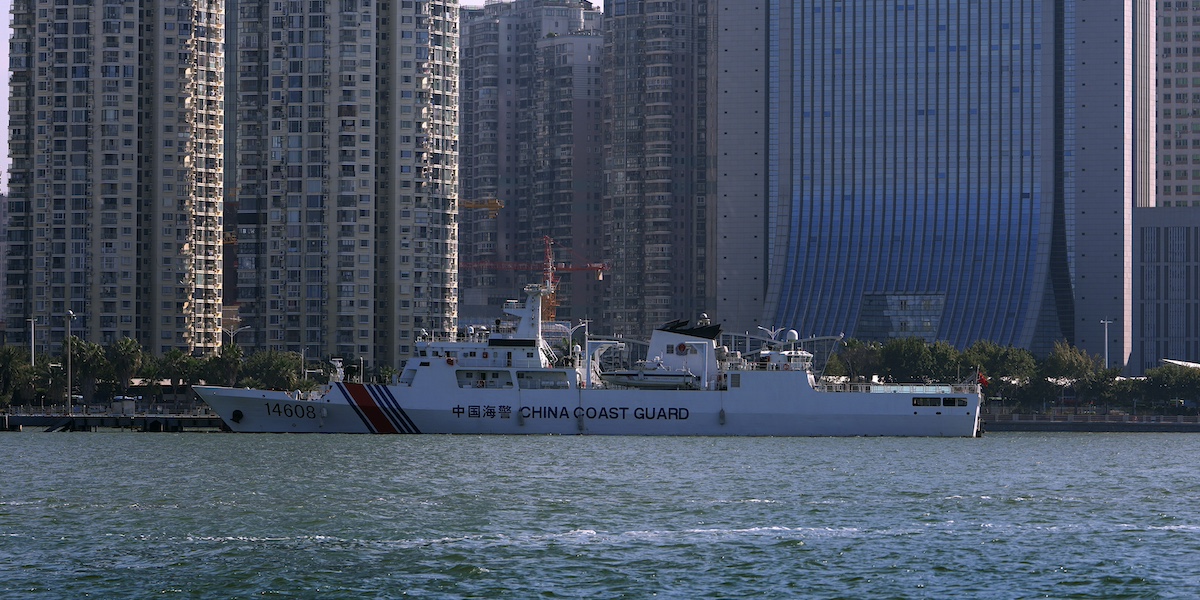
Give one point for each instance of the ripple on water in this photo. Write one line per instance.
(1072, 516)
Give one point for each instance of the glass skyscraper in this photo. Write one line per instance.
(922, 168)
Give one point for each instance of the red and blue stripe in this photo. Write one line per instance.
(378, 408)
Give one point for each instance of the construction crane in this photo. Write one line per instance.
(493, 205)
(549, 273)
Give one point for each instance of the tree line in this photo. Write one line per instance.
(1068, 378)
(100, 373)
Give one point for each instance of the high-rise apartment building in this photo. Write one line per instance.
(115, 207)
(656, 227)
(1178, 114)
(347, 157)
(531, 158)
(948, 170)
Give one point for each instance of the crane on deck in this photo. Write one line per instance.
(549, 271)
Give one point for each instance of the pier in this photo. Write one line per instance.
(147, 422)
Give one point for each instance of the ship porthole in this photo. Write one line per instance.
(237, 416)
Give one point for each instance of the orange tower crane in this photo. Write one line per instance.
(549, 273)
(493, 205)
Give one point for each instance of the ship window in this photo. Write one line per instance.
(481, 380)
(735, 380)
(917, 401)
(954, 402)
(537, 380)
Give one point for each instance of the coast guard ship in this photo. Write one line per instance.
(514, 382)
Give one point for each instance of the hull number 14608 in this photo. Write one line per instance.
(291, 412)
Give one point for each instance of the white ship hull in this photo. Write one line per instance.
(767, 403)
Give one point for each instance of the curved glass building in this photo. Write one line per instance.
(907, 168)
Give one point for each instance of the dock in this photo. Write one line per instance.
(155, 423)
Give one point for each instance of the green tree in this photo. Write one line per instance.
(834, 367)
(223, 367)
(385, 374)
(54, 375)
(946, 362)
(1168, 385)
(907, 359)
(1008, 370)
(1037, 395)
(861, 359)
(1069, 367)
(91, 365)
(1014, 365)
(1126, 393)
(152, 374)
(16, 375)
(274, 369)
(179, 367)
(126, 358)
(1068, 363)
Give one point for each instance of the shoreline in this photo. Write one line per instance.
(1091, 423)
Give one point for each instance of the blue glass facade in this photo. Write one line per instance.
(921, 187)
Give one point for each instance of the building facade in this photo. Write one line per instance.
(656, 226)
(115, 208)
(945, 170)
(1167, 287)
(532, 166)
(1167, 315)
(347, 157)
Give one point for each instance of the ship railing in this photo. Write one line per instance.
(750, 365)
(892, 388)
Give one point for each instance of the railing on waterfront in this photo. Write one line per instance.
(1073, 418)
(157, 410)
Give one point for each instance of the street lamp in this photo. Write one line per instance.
(1106, 323)
(67, 346)
(32, 322)
(233, 333)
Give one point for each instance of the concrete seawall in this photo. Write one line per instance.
(1092, 423)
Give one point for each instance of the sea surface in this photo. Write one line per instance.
(211, 515)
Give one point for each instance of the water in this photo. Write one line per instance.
(221, 516)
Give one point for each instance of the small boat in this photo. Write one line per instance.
(652, 375)
(514, 382)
